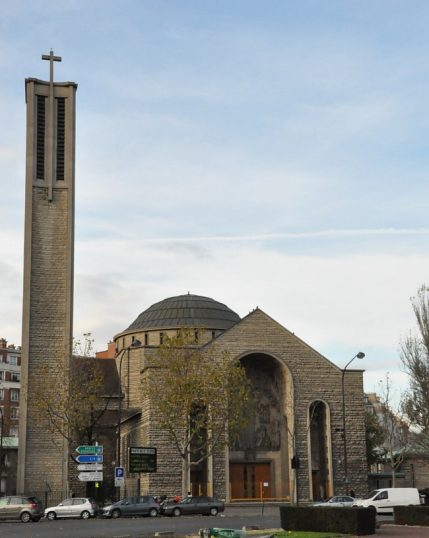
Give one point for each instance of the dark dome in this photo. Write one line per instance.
(185, 311)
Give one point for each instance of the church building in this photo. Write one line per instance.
(294, 446)
(306, 438)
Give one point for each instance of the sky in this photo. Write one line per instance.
(263, 153)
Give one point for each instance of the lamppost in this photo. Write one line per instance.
(359, 355)
(134, 343)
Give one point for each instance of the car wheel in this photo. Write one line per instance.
(177, 512)
(116, 514)
(25, 517)
(153, 512)
(85, 514)
(373, 509)
(51, 516)
(213, 511)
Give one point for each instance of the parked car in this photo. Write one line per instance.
(75, 507)
(145, 505)
(385, 499)
(25, 508)
(337, 501)
(194, 505)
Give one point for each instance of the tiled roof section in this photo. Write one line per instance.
(186, 311)
(108, 371)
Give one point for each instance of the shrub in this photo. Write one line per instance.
(411, 515)
(358, 521)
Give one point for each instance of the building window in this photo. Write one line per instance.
(2, 375)
(13, 431)
(146, 339)
(40, 137)
(16, 376)
(61, 122)
(1, 394)
(14, 412)
(161, 338)
(14, 395)
(13, 360)
(213, 335)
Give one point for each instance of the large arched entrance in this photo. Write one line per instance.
(259, 462)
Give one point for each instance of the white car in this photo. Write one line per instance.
(81, 507)
(337, 501)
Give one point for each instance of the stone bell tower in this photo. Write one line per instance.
(47, 322)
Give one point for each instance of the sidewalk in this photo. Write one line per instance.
(402, 531)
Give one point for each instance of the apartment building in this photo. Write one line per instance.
(10, 372)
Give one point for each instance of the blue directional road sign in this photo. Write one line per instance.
(87, 458)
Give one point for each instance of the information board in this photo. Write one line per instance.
(141, 459)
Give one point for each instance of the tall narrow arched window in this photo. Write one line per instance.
(320, 450)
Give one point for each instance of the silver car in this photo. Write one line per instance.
(338, 501)
(25, 508)
(76, 507)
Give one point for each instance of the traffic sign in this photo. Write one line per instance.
(90, 467)
(90, 449)
(91, 477)
(141, 459)
(88, 458)
(119, 477)
(119, 472)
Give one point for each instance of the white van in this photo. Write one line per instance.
(383, 500)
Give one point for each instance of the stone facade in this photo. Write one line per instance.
(48, 278)
(298, 399)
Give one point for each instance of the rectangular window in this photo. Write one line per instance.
(146, 339)
(13, 431)
(2, 375)
(14, 412)
(1, 394)
(40, 137)
(14, 395)
(161, 338)
(13, 360)
(61, 122)
(16, 376)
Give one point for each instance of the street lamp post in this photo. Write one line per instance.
(359, 355)
(135, 343)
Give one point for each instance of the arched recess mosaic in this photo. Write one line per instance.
(259, 461)
(320, 450)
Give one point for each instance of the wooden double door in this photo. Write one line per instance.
(250, 480)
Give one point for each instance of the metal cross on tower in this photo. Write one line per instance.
(51, 59)
(50, 123)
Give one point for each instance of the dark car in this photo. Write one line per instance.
(145, 505)
(23, 507)
(207, 506)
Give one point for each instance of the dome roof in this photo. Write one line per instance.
(185, 311)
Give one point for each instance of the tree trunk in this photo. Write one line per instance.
(185, 475)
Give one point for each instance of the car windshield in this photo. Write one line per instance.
(371, 494)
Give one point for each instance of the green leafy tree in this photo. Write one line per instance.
(374, 438)
(75, 413)
(201, 398)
